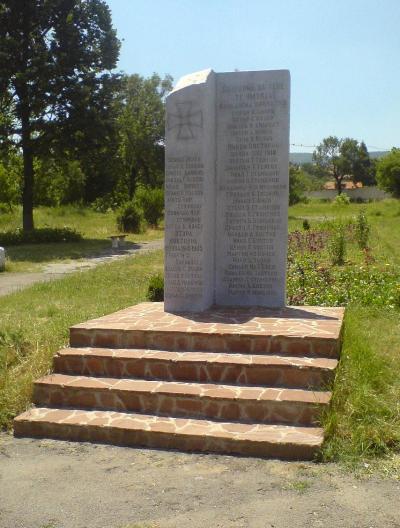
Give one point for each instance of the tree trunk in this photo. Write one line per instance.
(27, 191)
(22, 90)
(338, 180)
(132, 182)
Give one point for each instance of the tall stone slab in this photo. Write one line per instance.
(252, 187)
(227, 172)
(190, 194)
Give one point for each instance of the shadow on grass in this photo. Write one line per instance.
(87, 248)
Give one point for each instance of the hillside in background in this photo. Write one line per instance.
(306, 157)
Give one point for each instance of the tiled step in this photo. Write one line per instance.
(243, 369)
(291, 331)
(294, 443)
(191, 400)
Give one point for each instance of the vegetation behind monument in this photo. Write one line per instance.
(70, 129)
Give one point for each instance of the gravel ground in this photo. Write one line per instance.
(55, 484)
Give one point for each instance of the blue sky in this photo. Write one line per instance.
(343, 55)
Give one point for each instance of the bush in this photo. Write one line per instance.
(306, 225)
(151, 202)
(130, 218)
(310, 282)
(362, 229)
(342, 199)
(45, 235)
(104, 204)
(155, 292)
(337, 246)
(297, 185)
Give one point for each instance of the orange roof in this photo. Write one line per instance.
(346, 185)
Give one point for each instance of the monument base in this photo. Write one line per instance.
(249, 381)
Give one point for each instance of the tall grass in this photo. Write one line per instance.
(364, 418)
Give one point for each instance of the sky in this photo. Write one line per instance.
(343, 56)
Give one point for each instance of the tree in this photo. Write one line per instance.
(297, 185)
(345, 157)
(9, 181)
(388, 172)
(55, 62)
(327, 156)
(142, 129)
(355, 161)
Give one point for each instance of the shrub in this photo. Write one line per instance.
(45, 235)
(151, 202)
(155, 292)
(362, 229)
(104, 204)
(337, 246)
(311, 283)
(306, 225)
(297, 185)
(130, 218)
(341, 199)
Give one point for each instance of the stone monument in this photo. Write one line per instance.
(226, 189)
(243, 379)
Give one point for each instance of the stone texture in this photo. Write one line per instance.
(198, 400)
(189, 193)
(252, 187)
(170, 433)
(243, 369)
(220, 380)
(226, 190)
(304, 330)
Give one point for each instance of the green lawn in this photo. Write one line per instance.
(95, 227)
(363, 423)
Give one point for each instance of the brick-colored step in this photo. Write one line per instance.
(220, 402)
(293, 443)
(243, 369)
(240, 380)
(292, 331)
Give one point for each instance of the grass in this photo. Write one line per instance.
(363, 421)
(95, 227)
(384, 217)
(301, 486)
(34, 323)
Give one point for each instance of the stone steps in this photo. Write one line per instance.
(301, 331)
(128, 429)
(196, 400)
(243, 369)
(177, 341)
(250, 381)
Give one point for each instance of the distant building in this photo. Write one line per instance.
(346, 185)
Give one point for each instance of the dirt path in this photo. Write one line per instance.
(10, 282)
(54, 484)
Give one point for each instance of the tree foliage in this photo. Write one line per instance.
(142, 130)
(388, 172)
(344, 157)
(327, 156)
(56, 89)
(297, 185)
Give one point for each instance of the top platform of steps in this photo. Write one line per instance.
(293, 330)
